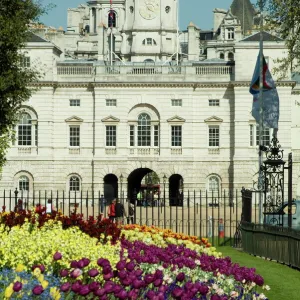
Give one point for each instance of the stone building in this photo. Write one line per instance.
(125, 94)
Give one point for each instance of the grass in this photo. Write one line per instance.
(283, 280)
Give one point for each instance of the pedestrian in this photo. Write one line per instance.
(130, 219)
(102, 204)
(120, 212)
(112, 210)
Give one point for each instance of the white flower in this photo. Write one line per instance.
(220, 292)
(215, 286)
(266, 287)
(262, 296)
(234, 294)
(197, 262)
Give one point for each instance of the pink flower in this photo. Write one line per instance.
(76, 273)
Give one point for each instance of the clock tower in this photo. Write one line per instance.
(150, 30)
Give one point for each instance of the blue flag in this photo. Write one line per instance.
(270, 96)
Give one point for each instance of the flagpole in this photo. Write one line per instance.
(260, 125)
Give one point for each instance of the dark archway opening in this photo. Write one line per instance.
(176, 190)
(145, 183)
(110, 187)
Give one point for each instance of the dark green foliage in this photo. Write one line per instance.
(15, 81)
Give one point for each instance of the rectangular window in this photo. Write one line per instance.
(25, 62)
(111, 102)
(111, 136)
(214, 102)
(214, 136)
(176, 136)
(74, 136)
(156, 135)
(24, 135)
(74, 102)
(131, 134)
(176, 102)
(265, 141)
(251, 135)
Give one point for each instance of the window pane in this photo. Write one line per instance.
(214, 136)
(176, 136)
(111, 136)
(214, 102)
(74, 102)
(265, 140)
(74, 184)
(144, 130)
(131, 135)
(74, 136)
(156, 135)
(23, 183)
(213, 184)
(111, 102)
(176, 102)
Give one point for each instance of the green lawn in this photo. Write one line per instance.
(284, 281)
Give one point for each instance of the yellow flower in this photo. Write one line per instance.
(37, 272)
(54, 292)
(20, 268)
(44, 284)
(9, 291)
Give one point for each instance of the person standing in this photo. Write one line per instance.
(102, 203)
(130, 219)
(112, 210)
(120, 212)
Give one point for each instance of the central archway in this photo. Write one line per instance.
(135, 179)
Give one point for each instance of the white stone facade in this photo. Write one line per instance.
(193, 96)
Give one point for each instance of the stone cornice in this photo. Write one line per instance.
(193, 85)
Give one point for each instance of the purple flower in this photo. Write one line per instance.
(17, 286)
(177, 292)
(259, 280)
(93, 272)
(65, 287)
(180, 277)
(121, 265)
(106, 270)
(130, 266)
(215, 297)
(149, 278)
(80, 264)
(74, 264)
(158, 282)
(93, 286)
(99, 292)
(63, 273)
(122, 274)
(57, 256)
(76, 287)
(108, 276)
(103, 262)
(37, 290)
(122, 295)
(84, 290)
(86, 261)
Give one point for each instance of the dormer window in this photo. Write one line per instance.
(149, 42)
(230, 33)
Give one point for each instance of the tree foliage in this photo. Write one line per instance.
(15, 81)
(284, 15)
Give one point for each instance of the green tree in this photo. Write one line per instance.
(284, 16)
(15, 80)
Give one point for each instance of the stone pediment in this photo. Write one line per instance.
(110, 119)
(74, 119)
(176, 119)
(213, 119)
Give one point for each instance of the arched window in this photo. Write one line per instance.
(221, 55)
(112, 20)
(25, 130)
(213, 184)
(23, 183)
(74, 184)
(230, 56)
(144, 130)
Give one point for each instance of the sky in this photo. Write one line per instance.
(197, 11)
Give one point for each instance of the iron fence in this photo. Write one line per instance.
(216, 216)
(278, 243)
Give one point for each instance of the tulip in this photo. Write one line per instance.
(64, 273)
(17, 286)
(57, 256)
(74, 264)
(65, 287)
(84, 290)
(180, 277)
(93, 286)
(37, 290)
(121, 265)
(99, 292)
(76, 273)
(76, 287)
(86, 261)
(177, 292)
(80, 264)
(93, 272)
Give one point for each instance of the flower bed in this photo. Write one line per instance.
(50, 261)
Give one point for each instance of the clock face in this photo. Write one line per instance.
(149, 9)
